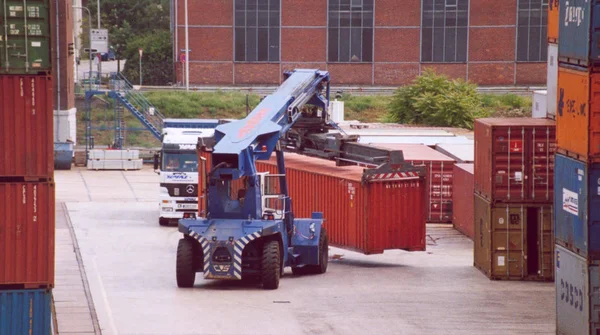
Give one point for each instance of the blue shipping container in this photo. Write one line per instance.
(579, 25)
(577, 206)
(25, 312)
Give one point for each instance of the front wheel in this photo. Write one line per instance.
(271, 266)
(186, 271)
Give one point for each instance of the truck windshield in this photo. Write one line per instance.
(180, 162)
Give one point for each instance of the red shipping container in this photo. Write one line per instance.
(463, 187)
(26, 127)
(368, 217)
(514, 159)
(27, 234)
(438, 177)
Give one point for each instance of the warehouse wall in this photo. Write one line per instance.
(491, 53)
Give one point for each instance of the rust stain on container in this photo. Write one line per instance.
(26, 127)
(553, 18)
(514, 159)
(439, 172)
(27, 230)
(514, 241)
(578, 115)
(463, 188)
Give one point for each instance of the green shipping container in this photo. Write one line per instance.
(25, 37)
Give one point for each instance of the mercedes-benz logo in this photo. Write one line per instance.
(190, 189)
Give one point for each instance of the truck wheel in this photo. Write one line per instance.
(271, 267)
(186, 271)
(163, 221)
(323, 257)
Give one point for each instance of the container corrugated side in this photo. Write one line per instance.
(26, 127)
(439, 171)
(577, 203)
(514, 159)
(25, 39)
(514, 241)
(364, 217)
(577, 299)
(25, 312)
(463, 188)
(577, 32)
(552, 79)
(578, 114)
(27, 230)
(553, 14)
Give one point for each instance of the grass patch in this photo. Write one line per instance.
(507, 105)
(223, 105)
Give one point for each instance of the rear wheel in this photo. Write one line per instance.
(323, 258)
(186, 271)
(271, 267)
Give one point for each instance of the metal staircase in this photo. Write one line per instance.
(122, 90)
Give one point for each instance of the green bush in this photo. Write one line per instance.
(435, 100)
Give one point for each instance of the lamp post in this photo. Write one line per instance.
(98, 11)
(90, 38)
(187, 50)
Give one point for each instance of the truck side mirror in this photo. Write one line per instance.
(156, 162)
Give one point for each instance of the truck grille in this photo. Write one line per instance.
(181, 190)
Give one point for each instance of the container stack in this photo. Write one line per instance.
(513, 198)
(26, 168)
(577, 179)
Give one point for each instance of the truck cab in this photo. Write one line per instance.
(177, 166)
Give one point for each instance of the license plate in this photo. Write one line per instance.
(187, 206)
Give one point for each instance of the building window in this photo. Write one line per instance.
(256, 34)
(350, 31)
(532, 31)
(444, 31)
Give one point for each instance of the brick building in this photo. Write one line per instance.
(362, 42)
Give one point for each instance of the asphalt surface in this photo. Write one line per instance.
(129, 261)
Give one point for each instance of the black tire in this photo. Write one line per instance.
(163, 221)
(323, 258)
(186, 271)
(271, 266)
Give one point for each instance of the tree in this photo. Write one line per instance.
(156, 60)
(437, 101)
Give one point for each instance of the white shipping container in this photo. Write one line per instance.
(577, 299)
(114, 164)
(540, 101)
(462, 153)
(98, 154)
(552, 80)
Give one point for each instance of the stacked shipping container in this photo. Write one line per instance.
(577, 178)
(463, 186)
(513, 190)
(26, 168)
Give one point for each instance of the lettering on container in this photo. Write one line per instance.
(570, 202)
(571, 294)
(34, 30)
(516, 146)
(574, 14)
(33, 11)
(570, 105)
(33, 96)
(13, 29)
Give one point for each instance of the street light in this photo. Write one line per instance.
(90, 38)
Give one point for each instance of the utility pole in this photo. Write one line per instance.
(141, 52)
(187, 50)
(98, 10)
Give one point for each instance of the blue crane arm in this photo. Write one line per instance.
(240, 143)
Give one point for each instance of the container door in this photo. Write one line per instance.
(509, 163)
(544, 244)
(508, 242)
(24, 40)
(540, 177)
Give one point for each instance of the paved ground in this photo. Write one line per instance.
(129, 262)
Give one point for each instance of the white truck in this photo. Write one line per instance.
(178, 168)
